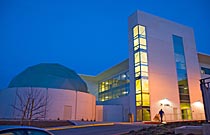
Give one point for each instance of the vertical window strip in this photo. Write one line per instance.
(182, 77)
(141, 68)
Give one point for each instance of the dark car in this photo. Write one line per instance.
(23, 130)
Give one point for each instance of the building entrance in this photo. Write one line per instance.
(143, 114)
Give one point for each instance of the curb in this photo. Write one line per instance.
(81, 126)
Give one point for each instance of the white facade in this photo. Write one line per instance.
(115, 110)
(62, 104)
(162, 74)
(109, 113)
(161, 67)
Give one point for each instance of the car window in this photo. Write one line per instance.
(36, 132)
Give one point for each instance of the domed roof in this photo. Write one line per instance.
(49, 76)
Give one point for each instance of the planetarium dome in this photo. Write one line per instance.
(49, 76)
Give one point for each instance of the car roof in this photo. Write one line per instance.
(7, 127)
(4, 127)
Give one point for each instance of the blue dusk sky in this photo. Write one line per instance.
(88, 36)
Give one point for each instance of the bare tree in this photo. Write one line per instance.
(31, 104)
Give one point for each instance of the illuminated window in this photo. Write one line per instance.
(137, 69)
(138, 103)
(146, 114)
(138, 97)
(143, 57)
(144, 74)
(137, 57)
(136, 42)
(138, 85)
(142, 30)
(145, 85)
(114, 87)
(144, 47)
(143, 41)
(141, 73)
(135, 31)
(145, 98)
(144, 68)
(138, 91)
(136, 48)
(137, 74)
(102, 86)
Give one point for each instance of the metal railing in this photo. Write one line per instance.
(180, 117)
(205, 88)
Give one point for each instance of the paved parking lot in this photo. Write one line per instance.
(114, 129)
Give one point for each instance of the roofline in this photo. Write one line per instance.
(161, 17)
(112, 67)
(201, 53)
(86, 75)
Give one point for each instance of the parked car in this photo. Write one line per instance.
(23, 130)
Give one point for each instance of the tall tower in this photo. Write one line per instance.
(164, 68)
(138, 66)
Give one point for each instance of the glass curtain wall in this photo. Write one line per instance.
(141, 73)
(182, 78)
(114, 87)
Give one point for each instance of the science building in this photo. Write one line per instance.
(162, 72)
